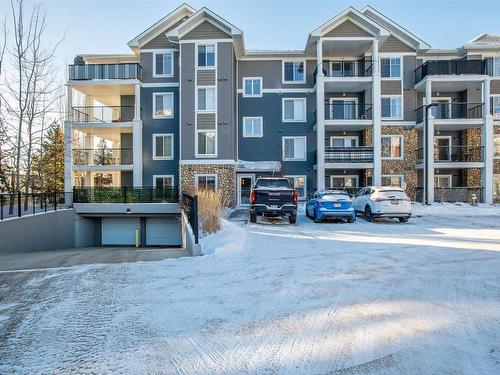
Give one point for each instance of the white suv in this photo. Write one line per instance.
(383, 201)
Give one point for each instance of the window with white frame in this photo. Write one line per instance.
(294, 148)
(496, 66)
(299, 185)
(206, 142)
(294, 72)
(163, 146)
(390, 67)
(294, 109)
(252, 126)
(252, 86)
(392, 147)
(163, 181)
(206, 55)
(163, 65)
(163, 105)
(442, 181)
(496, 146)
(495, 105)
(392, 107)
(206, 99)
(392, 180)
(206, 182)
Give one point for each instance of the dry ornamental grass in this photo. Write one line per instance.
(211, 205)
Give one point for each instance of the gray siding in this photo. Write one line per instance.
(495, 86)
(271, 73)
(409, 105)
(205, 77)
(225, 92)
(205, 121)
(409, 66)
(393, 44)
(206, 30)
(187, 125)
(391, 87)
(348, 29)
(161, 41)
(147, 68)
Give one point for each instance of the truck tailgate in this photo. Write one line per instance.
(273, 197)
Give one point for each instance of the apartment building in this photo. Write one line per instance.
(365, 102)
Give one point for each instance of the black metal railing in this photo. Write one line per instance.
(449, 67)
(452, 111)
(360, 154)
(103, 114)
(125, 195)
(105, 71)
(448, 154)
(348, 68)
(467, 194)
(348, 111)
(102, 156)
(189, 205)
(21, 204)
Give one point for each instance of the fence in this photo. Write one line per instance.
(20, 204)
(126, 195)
(189, 205)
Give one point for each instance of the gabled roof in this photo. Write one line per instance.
(395, 29)
(181, 12)
(484, 41)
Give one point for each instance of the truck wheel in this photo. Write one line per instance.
(403, 219)
(253, 217)
(292, 218)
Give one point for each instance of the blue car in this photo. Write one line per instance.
(330, 204)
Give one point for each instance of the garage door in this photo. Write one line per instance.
(162, 231)
(119, 231)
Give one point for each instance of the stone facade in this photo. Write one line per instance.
(226, 178)
(471, 138)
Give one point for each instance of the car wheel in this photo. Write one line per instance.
(292, 218)
(253, 218)
(403, 219)
(368, 213)
(351, 220)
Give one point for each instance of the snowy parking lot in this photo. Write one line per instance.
(377, 298)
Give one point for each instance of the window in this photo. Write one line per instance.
(392, 147)
(252, 126)
(343, 141)
(343, 68)
(206, 143)
(163, 64)
(496, 66)
(206, 182)
(391, 107)
(343, 109)
(252, 87)
(163, 146)
(163, 181)
(163, 105)
(343, 181)
(294, 110)
(392, 180)
(496, 188)
(390, 67)
(299, 184)
(206, 99)
(495, 105)
(294, 72)
(294, 148)
(496, 146)
(206, 55)
(442, 181)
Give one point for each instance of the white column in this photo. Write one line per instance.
(320, 118)
(68, 146)
(488, 145)
(429, 144)
(376, 112)
(137, 139)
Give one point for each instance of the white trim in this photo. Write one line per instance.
(205, 43)
(382, 118)
(448, 176)
(401, 157)
(495, 157)
(305, 183)
(196, 109)
(344, 176)
(396, 54)
(187, 41)
(206, 175)
(246, 135)
(251, 95)
(205, 161)
(400, 176)
(163, 52)
(283, 109)
(293, 60)
(163, 135)
(238, 181)
(355, 137)
(283, 148)
(284, 91)
(155, 176)
(492, 98)
(391, 56)
(450, 145)
(152, 50)
(344, 99)
(160, 84)
(155, 94)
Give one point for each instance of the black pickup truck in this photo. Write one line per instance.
(273, 197)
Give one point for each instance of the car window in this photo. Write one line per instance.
(335, 197)
(368, 191)
(392, 193)
(275, 183)
(360, 193)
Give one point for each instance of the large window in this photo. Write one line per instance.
(392, 147)
(294, 72)
(496, 146)
(442, 181)
(391, 107)
(252, 126)
(496, 188)
(163, 105)
(163, 146)
(294, 110)
(206, 143)
(299, 184)
(163, 65)
(294, 148)
(163, 181)
(496, 66)
(495, 105)
(206, 55)
(206, 99)
(206, 182)
(390, 67)
(252, 86)
(392, 180)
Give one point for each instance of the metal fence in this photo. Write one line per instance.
(189, 205)
(454, 194)
(126, 195)
(21, 204)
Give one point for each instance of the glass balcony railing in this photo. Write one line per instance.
(105, 71)
(102, 156)
(449, 67)
(103, 114)
(454, 110)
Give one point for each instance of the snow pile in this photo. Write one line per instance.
(262, 166)
(230, 238)
(455, 209)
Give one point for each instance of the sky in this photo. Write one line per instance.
(105, 26)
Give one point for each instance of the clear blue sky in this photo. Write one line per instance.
(105, 26)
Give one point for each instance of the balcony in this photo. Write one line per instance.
(455, 111)
(359, 154)
(346, 75)
(126, 195)
(105, 71)
(102, 157)
(455, 154)
(345, 110)
(449, 67)
(103, 114)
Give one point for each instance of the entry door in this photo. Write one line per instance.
(442, 148)
(343, 181)
(344, 109)
(343, 141)
(245, 183)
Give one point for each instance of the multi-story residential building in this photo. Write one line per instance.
(365, 102)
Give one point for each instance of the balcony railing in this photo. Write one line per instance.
(103, 114)
(449, 67)
(454, 194)
(452, 154)
(348, 111)
(126, 195)
(360, 154)
(349, 189)
(105, 71)
(455, 110)
(346, 68)
(102, 156)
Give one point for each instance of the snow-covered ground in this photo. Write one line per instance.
(382, 298)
